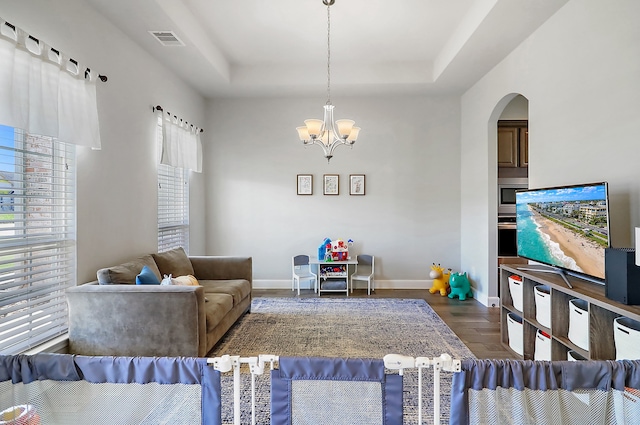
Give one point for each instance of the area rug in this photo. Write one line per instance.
(341, 327)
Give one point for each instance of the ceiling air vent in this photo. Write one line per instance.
(167, 38)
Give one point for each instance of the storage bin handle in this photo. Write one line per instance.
(623, 330)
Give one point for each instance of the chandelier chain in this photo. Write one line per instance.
(328, 53)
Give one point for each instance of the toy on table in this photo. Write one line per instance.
(440, 278)
(460, 286)
(339, 250)
(322, 249)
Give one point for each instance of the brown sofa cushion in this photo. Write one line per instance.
(239, 289)
(216, 308)
(174, 262)
(126, 273)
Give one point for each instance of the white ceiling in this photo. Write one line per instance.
(259, 47)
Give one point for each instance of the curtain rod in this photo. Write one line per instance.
(87, 72)
(159, 108)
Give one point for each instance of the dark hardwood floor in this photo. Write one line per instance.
(476, 325)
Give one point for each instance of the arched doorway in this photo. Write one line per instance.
(508, 132)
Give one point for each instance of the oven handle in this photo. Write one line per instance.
(506, 226)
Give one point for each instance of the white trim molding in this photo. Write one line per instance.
(380, 284)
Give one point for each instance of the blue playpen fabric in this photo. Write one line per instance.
(478, 375)
(120, 370)
(333, 369)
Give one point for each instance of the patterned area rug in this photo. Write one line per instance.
(341, 327)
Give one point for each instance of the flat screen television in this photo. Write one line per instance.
(565, 227)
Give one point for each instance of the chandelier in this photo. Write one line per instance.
(325, 133)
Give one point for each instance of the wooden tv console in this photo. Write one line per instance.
(601, 313)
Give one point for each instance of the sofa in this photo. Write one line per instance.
(114, 316)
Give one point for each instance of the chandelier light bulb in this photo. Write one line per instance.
(344, 127)
(353, 135)
(314, 127)
(303, 133)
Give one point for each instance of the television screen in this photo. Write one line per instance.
(565, 227)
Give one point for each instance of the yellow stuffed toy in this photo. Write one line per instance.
(440, 278)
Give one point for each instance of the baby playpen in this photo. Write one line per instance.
(70, 389)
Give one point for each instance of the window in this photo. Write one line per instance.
(173, 204)
(37, 238)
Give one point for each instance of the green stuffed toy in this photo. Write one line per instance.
(460, 286)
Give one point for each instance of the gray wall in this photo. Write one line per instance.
(579, 72)
(408, 149)
(117, 195)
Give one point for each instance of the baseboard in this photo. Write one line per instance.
(276, 284)
(380, 284)
(486, 300)
(404, 284)
(493, 302)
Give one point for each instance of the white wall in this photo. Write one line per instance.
(117, 186)
(517, 109)
(579, 72)
(408, 149)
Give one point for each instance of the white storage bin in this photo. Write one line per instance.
(515, 288)
(543, 346)
(574, 356)
(515, 333)
(626, 334)
(579, 323)
(543, 305)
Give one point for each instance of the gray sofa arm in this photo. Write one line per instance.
(137, 320)
(222, 268)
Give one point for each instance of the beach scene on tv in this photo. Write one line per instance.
(564, 227)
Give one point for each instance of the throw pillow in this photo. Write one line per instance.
(188, 280)
(175, 262)
(127, 272)
(191, 281)
(147, 277)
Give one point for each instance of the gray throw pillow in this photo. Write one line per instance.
(174, 262)
(126, 273)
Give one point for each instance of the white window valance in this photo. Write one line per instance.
(45, 92)
(181, 146)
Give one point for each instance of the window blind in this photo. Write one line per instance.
(37, 238)
(173, 204)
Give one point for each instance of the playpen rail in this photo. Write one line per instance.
(391, 361)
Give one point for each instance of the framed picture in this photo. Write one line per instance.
(356, 184)
(305, 184)
(330, 184)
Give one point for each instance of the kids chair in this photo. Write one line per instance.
(364, 271)
(302, 271)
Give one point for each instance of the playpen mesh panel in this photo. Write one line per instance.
(81, 402)
(553, 407)
(342, 402)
